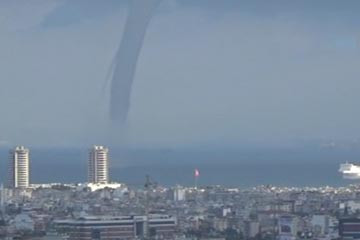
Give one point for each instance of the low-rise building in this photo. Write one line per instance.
(122, 227)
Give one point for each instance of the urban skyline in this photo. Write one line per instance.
(19, 173)
(179, 120)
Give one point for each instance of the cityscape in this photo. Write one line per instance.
(179, 120)
(102, 209)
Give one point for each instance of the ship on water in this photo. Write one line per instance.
(350, 170)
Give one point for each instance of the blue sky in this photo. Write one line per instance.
(223, 72)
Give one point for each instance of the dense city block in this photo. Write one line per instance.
(116, 211)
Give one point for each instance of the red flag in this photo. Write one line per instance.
(197, 173)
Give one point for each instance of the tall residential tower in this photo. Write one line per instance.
(19, 169)
(98, 168)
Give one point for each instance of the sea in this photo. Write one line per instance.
(244, 168)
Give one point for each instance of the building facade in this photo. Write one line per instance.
(121, 227)
(349, 228)
(98, 166)
(19, 168)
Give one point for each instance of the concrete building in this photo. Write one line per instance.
(251, 229)
(19, 169)
(121, 227)
(349, 228)
(320, 224)
(179, 193)
(287, 226)
(24, 223)
(98, 167)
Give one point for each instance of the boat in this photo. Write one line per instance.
(350, 170)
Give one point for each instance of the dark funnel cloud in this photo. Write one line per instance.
(126, 58)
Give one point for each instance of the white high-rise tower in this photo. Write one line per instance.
(98, 168)
(19, 169)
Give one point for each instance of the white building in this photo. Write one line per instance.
(99, 186)
(226, 211)
(98, 168)
(179, 194)
(19, 169)
(352, 206)
(320, 224)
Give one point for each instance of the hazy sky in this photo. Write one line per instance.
(218, 72)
